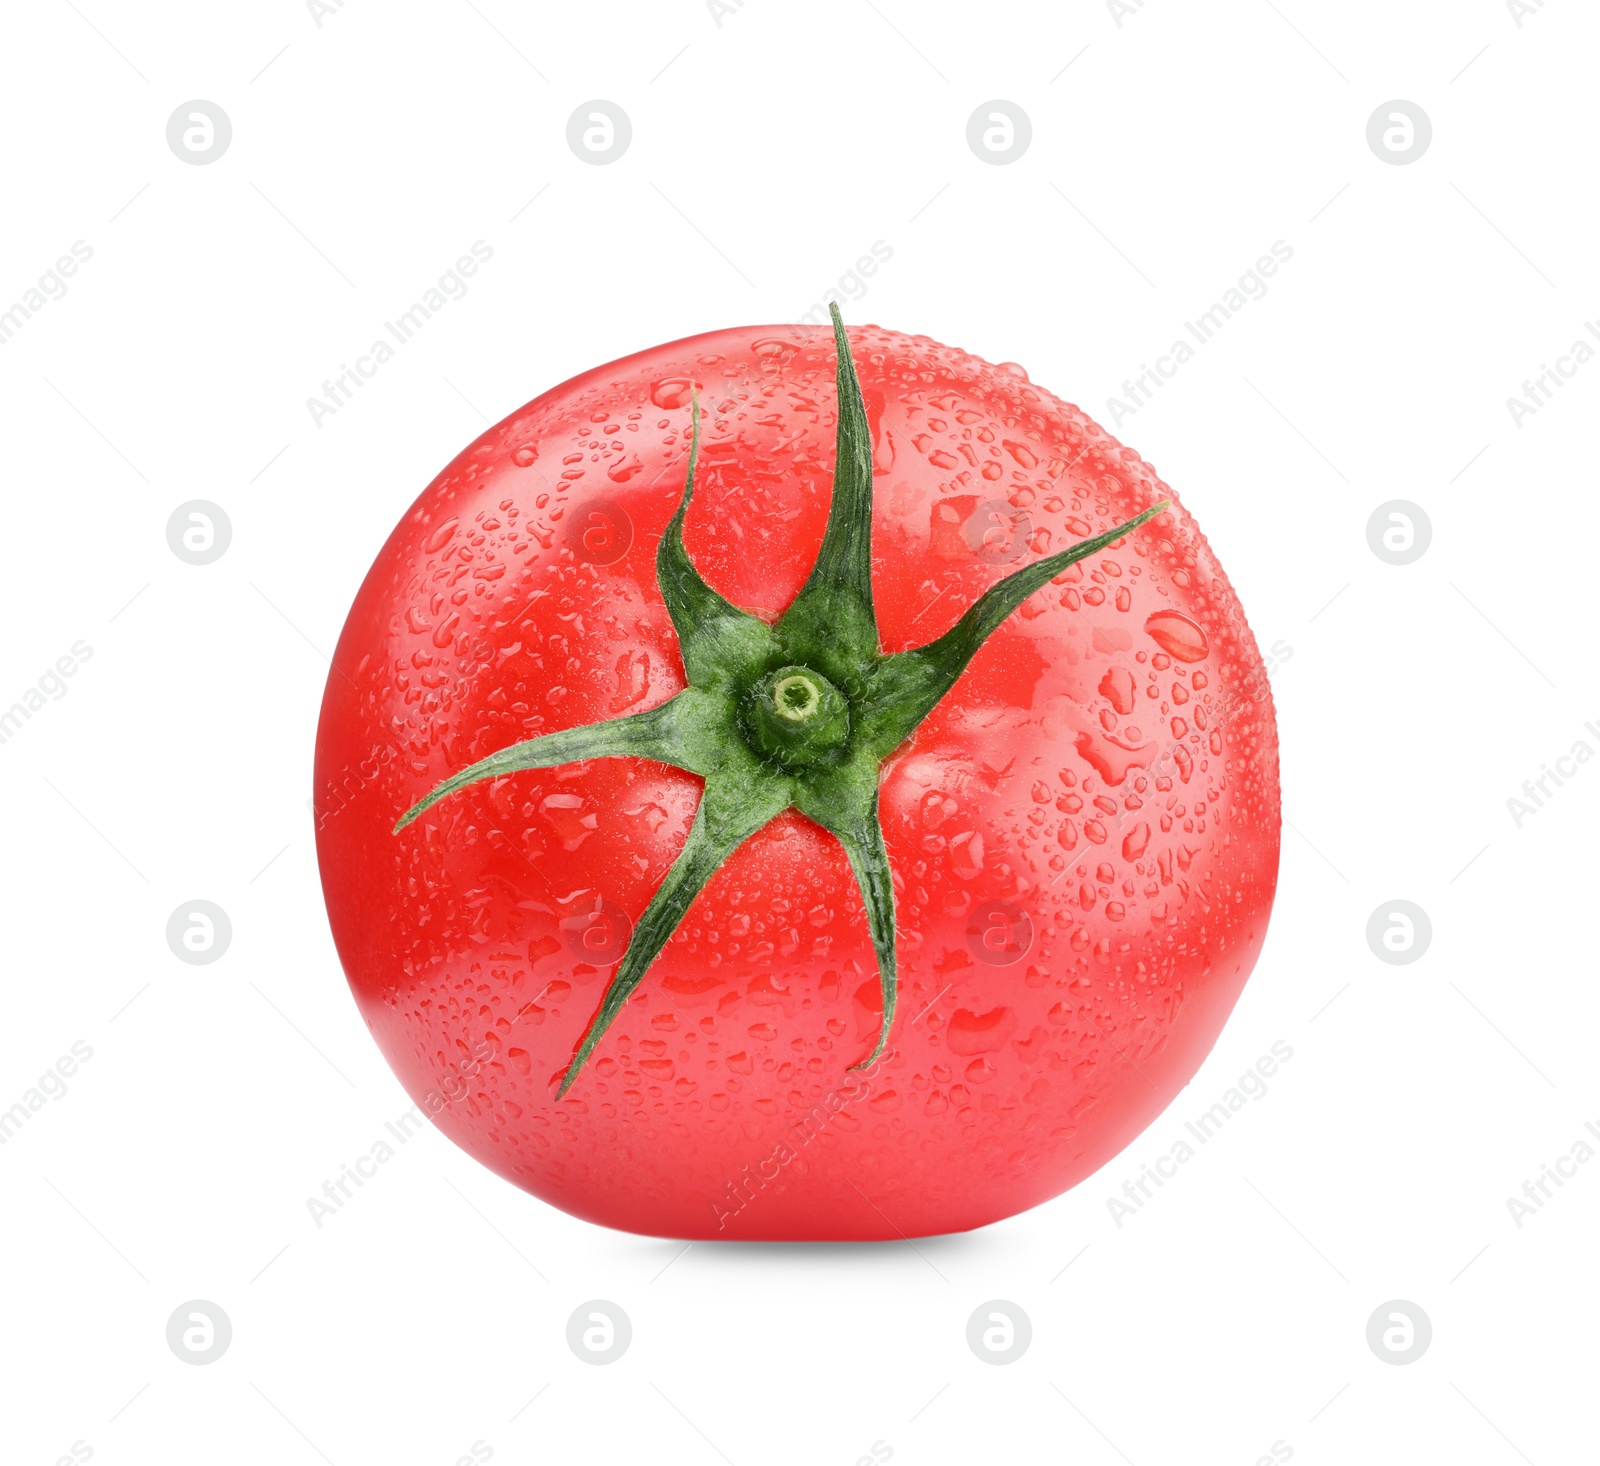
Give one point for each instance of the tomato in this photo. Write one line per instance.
(702, 867)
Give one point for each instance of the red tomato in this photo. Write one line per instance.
(1083, 834)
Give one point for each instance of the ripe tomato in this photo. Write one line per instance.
(1082, 832)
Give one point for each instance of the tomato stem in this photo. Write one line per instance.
(796, 717)
(799, 715)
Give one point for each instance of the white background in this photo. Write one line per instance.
(768, 153)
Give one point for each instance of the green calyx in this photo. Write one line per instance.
(801, 714)
(796, 718)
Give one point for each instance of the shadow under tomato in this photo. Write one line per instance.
(953, 1246)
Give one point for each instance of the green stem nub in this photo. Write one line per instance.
(795, 717)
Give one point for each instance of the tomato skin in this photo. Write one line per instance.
(1084, 834)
